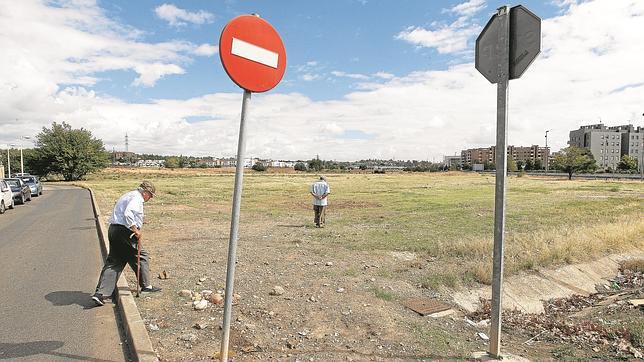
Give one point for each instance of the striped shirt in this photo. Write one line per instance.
(320, 188)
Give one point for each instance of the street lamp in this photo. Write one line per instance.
(22, 167)
(547, 152)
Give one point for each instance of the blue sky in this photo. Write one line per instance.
(364, 79)
(348, 36)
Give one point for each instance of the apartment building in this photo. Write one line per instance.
(609, 144)
(518, 153)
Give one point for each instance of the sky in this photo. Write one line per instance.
(364, 78)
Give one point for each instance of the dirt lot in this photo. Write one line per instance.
(304, 293)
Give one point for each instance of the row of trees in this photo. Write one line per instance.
(74, 153)
(61, 150)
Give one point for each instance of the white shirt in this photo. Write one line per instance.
(128, 210)
(320, 188)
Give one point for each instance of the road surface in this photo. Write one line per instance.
(50, 260)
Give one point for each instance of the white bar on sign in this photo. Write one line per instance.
(254, 53)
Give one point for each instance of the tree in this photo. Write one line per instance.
(172, 162)
(315, 164)
(300, 166)
(627, 163)
(72, 153)
(529, 165)
(575, 159)
(538, 164)
(512, 165)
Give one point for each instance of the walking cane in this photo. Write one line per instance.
(138, 265)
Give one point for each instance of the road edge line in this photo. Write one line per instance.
(137, 334)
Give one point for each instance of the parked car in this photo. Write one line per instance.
(34, 184)
(6, 197)
(21, 192)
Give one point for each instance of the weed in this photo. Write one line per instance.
(383, 294)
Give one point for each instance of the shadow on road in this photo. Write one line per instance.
(26, 349)
(67, 297)
(17, 350)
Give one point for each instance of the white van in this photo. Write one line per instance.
(6, 197)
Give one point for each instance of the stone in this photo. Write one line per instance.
(340, 290)
(203, 279)
(200, 305)
(188, 337)
(153, 327)
(329, 263)
(200, 326)
(277, 290)
(185, 293)
(215, 298)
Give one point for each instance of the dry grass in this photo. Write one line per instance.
(634, 265)
(447, 218)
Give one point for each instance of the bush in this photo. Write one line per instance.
(259, 167)
(300, 166)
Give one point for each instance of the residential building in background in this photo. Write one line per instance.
(452, 161)
(535, 154)
(609, 144)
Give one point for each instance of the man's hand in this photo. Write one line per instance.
(137, 233)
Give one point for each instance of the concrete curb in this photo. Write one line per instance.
(137, 334)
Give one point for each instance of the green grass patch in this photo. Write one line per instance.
(383, 294)
(446, 215)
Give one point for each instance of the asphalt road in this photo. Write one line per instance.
(50, 260)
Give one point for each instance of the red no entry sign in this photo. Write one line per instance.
(252, 53)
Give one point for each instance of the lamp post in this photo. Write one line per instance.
(22, 167)
(9, 159)
(547, 151)
(8, 162)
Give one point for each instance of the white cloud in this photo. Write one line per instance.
(590, 68)
(179, 17)
(468, 8)
(349, 75)
(446, 39)
(206, 50)
(149, 74)
(309, 77)
(453, 38)
(383, 75)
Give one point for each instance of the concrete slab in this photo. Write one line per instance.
(528, 291)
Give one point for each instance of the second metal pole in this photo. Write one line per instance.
(234, 226)
(501, 172)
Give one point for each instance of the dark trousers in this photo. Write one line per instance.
(320, 216)
(123, 250)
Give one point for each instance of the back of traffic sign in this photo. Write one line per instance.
(525, 44)
(252, 53)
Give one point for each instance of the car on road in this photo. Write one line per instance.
(21, 192)
(34, 184)
(6, 197)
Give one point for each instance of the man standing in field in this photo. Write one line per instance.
(125, 237)
(320, 190)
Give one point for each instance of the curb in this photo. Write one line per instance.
(137, 334)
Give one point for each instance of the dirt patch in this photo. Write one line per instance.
(335, 306)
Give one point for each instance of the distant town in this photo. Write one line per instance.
(607, 144)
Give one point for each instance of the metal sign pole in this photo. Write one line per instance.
(501, 172)
(234, 226)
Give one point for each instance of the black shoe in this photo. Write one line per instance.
(98, 299)
(150, 290)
